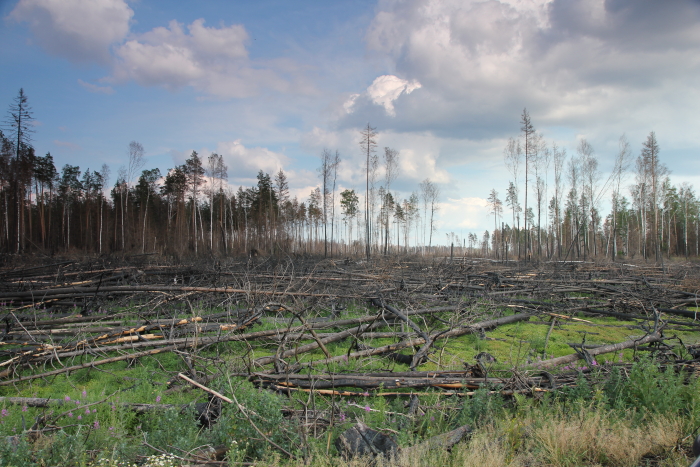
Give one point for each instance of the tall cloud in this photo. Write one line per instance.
(568, 61)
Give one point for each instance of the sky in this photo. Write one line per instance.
(269, 84)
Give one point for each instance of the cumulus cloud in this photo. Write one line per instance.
(245, 162)
(213, 60)
(209, 59)
(350, 103)
(317, 139)
(383, 91)
(78, 30)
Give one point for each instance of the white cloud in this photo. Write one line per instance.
(419, 165)
(463, 213)
(419, 155)
(212, 60)
(318, 139)
(383, 91)
(78, 30)
(244, 162)
(350, 103)
(95, 88)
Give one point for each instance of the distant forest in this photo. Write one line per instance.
(192, 210)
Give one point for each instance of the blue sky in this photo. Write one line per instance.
(269, 84)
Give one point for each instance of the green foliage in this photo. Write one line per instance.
(14, 452)
(578, 393)
(59, 449)
(651, 389)
(172, 427)
(647, 389)
(481, 409)
(265, 410)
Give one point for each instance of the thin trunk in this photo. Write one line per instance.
(211, 221)
(7, 222)
(101, 205)
(122, 213)
(145, 216)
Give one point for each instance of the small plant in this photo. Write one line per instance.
(158, 460)
(161, 460)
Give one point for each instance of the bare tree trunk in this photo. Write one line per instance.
(122, 213)
(145, 216)
(101, 205)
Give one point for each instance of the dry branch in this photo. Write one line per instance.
(84, 365)
(552, 362)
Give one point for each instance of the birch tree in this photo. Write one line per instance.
(430, 193)
(391, 165)
(368, 143)
(622, 162)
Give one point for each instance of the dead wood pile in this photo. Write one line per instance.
(315, 317)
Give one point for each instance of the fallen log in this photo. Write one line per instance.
(314, 345)
(395, 356)
(340, 393)
(45, 403)
(552, 362)
(379, 319)
(43, 294)
(84, 365)
(447, 380)
(48, 352)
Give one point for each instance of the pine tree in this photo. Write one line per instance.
(528, 135)
(19, 128)
(195, 173)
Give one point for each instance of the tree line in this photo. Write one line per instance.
(192, 208)
(561, 216)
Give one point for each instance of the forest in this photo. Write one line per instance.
(552, 206)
